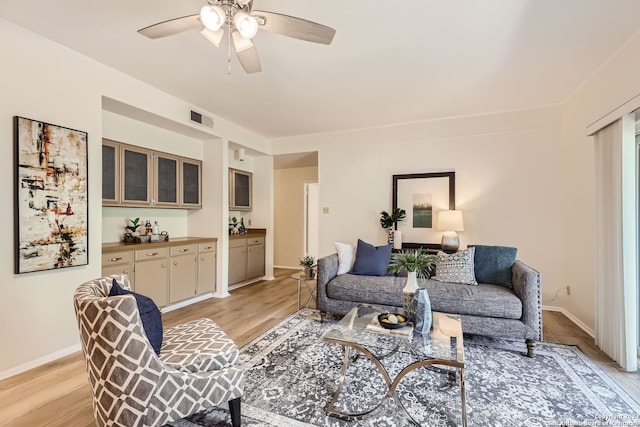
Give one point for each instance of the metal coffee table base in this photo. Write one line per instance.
(392, 385)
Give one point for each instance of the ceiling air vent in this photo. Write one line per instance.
(201, 120)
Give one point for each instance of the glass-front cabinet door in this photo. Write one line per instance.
(110, 173)
(191, 183)
(167, 180)
(137, 176)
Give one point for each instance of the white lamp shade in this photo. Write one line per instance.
(450, 221)
(212, 17)
(246, 25)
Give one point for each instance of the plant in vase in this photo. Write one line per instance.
(308, 262)
(389, 221)
(416, 263)
(133, 233)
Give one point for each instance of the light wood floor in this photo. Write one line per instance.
(57, 394)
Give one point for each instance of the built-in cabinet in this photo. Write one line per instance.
(136, 176)
(246, 258)
(167, 272)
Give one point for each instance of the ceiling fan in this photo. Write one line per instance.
(242, 24)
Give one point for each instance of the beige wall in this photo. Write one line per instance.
(289, 214)
(509, 180)
(36, 309)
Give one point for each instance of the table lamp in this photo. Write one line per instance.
(450, 222)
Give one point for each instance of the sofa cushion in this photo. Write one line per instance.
(345, 257)
(149, 314)
(385, 290)
(456, 267)
(198, 346)
(371, 260)
(493, 264)
(482, 300)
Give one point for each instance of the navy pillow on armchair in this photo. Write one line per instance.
(149, 314)
(371, 260)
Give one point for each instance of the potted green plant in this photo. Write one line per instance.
(416, 262)
(133, 232)
(389, 221)
(308, 262)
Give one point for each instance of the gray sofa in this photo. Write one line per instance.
(485, 309)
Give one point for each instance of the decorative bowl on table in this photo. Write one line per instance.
(392, 320)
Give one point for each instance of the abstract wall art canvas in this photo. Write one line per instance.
(51, 196)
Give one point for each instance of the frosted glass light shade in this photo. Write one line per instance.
(450, 221)
(212, 17)
(246, 25)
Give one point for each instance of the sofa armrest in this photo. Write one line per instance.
(526, 285)
(327, 270)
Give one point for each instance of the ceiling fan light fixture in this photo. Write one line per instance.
(246, 25)
(212, 17)
(213, 36)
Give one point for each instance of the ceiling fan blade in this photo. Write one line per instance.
(213, 36)
(171, 27)
(247, 54)
(297, 28)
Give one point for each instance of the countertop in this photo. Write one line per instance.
(122, 246)
(251, 232)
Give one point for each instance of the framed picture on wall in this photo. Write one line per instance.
(51, 196)
(240, 190)
(422, 196)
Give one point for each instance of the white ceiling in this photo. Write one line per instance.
(390, 62)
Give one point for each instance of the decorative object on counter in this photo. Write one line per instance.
(147, 227)
(133, 236)
(156, 227)
(390, 223)
(233, 225)
(308, 263)
(241, 228)
(450, 221)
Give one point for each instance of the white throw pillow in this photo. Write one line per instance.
(345, 257)
(456, 268)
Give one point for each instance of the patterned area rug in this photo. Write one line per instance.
(291, 374)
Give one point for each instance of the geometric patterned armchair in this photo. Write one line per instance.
(130, 384)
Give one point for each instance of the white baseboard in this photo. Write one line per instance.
(288, 267)
(571, 317)
(186, 302)
(40, 361)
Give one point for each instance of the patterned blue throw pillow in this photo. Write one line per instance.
(371, 260)
(149, 314)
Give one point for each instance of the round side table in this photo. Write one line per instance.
(301, 278)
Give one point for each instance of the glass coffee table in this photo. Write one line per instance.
(441, 350)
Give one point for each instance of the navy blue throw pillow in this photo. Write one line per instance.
(371, 260)
(493, 264)
(149, 314)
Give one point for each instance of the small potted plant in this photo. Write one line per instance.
(308, 262)
(133, 234)
(389, 221)
(416, 262)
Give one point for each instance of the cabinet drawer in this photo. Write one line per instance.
(115, 258)
(152, 253)
(255, 241)
(237, 243)
(184, 250)
(207, 247)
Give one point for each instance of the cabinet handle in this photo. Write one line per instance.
(207, 247)
(184, 250)
(152, 254)
(163, 265)
(115, 259)
(175, 262)
(126, 272)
